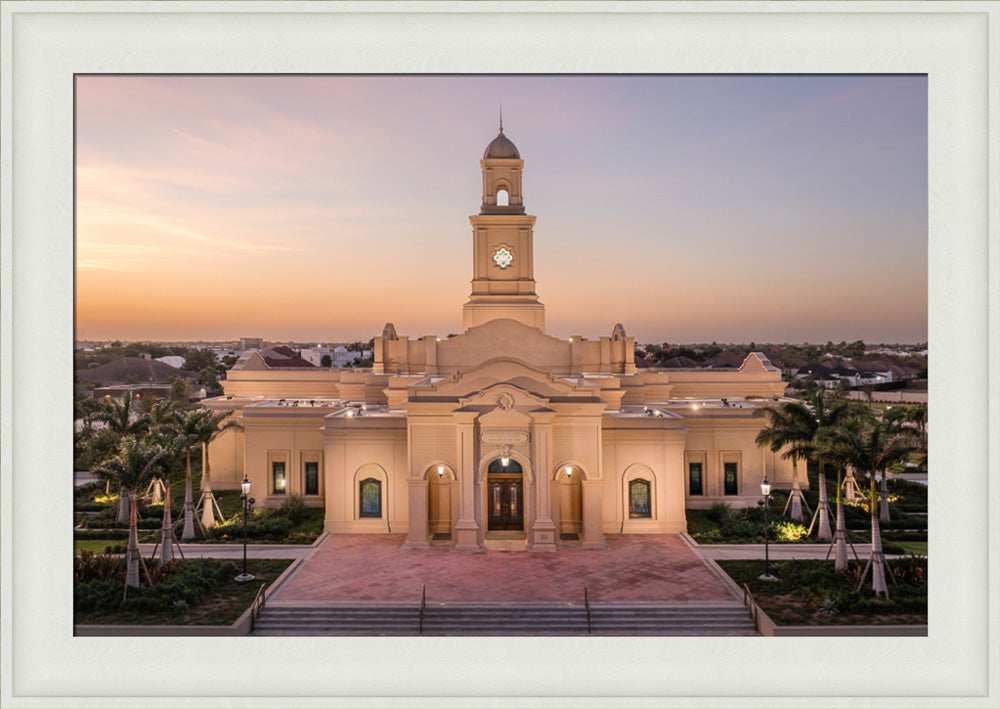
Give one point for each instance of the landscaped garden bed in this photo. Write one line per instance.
(183, 592)
(291, 523)
(903, 534)
(812, 593)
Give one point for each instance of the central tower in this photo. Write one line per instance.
(503, 282)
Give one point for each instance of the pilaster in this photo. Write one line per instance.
(466, 529)
(543, 531)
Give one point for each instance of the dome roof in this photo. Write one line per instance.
(501, 147)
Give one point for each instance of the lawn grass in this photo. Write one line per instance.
(96, 545)
(915, 548)
(221, 605)
(812, 593)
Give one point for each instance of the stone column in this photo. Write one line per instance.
(466, 529)
(543, 531)
(593, 498)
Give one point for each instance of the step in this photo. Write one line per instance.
(508, 619)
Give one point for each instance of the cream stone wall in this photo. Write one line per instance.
(272, 436)
(720, 435)
(653, 449)
(366, 446)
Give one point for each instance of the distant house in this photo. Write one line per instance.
(138, 374)
(724, 360)
(315, 355)
(172, 360)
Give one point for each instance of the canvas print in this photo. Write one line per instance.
(500, 355)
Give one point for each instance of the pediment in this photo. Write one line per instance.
(521, 376)
(505, 399)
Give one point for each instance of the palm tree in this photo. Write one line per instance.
(200, 427)
(826, 415)
(164, 417)
(211, 425)
(132, 465)
(789, 426)
(871, 446)
(121, 418)
(188, 429)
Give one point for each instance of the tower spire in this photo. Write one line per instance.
(501, 116)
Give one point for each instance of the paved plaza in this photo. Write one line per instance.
(355, 567)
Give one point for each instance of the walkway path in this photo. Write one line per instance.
(377, 568)
(635, 567)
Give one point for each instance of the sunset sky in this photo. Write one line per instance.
(318, 208)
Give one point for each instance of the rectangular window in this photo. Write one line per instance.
(638, 493)
(694, 476)
(278, 478)
(371, 498)
(732, 487)
(312, 478)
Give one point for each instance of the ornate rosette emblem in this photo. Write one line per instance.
(502, 257)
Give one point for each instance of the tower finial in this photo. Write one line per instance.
(501, 116)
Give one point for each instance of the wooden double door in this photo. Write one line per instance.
(505, 503)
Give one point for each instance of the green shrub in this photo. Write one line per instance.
(742, 529)
(88, 566)
(179, 582)
(907, 522)
(294, 508)
(99, 534)
(267, 526)
(719, 512)
(89, 507)
(785, 531)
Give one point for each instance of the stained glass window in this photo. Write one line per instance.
(694, 474)
(312, 478)
(730, 479)
(638, 496)
(278, 478)
(371, 498)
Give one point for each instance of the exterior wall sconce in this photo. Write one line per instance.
(505, 456)
(440, 471)
(569, 471)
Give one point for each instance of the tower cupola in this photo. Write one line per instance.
(502, 167)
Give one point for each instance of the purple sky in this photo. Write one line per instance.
(317, 208)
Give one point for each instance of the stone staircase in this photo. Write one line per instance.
(693, 618)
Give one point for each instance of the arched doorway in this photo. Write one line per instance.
(570, 488)
(439, 492)
(504, 495)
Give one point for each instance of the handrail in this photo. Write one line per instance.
(586, 603)
(751, 604)
(257, 606)
(423, 605)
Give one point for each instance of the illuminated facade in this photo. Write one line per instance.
(502, 436)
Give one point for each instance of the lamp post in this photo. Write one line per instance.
(247, 505)
(765, 490)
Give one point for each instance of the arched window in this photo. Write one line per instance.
(370, 496)
(498, 468)
(503, 198)
(638, 499)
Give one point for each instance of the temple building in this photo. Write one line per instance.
(502, 436)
